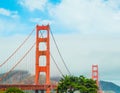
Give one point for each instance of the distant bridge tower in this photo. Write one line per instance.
(95, 76)
(95, 73)
(40, 39)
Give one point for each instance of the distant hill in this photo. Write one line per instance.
(109, 86)
(17, 76)
(24, 77)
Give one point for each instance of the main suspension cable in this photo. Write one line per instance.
(60, 53)
(6, 74)
(17, 49)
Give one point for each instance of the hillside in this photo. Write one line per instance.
(110, 86)
(24, 77)
(15, 77)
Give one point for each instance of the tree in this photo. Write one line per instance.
(14, 90)
(72, 83)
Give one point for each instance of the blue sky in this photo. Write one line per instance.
(24, 12)
(87, 31)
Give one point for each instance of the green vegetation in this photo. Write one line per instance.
(14, 90)
(73, 83)
(2, 91)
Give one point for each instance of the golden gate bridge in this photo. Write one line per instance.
(41, 54)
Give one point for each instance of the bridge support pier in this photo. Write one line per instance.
(37, 91)
(42, 91)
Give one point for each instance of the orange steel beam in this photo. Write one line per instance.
(39, 53)
(28, 87)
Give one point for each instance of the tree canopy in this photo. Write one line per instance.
(14, 90)
(69, 84)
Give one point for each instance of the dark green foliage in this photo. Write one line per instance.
(14, 90)
(73, 83)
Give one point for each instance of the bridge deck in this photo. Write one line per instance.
(28, 87)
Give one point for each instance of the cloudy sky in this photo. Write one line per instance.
(87, 31)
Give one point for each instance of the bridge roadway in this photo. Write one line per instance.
(28, 87)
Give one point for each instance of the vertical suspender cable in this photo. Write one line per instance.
(60, 53)
(56, 64)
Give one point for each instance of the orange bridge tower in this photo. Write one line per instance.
(95, 76)
(95, 73)
(40, 39)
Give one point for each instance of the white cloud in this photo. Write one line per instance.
(114, 4)
(5, 12)
(13, 14)
(87, 16)
(33, 4)
(81, 51)
(40, 21)
(13, 42)
(96, 42)
(117, 16)
(11, 27)
(7, 26)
